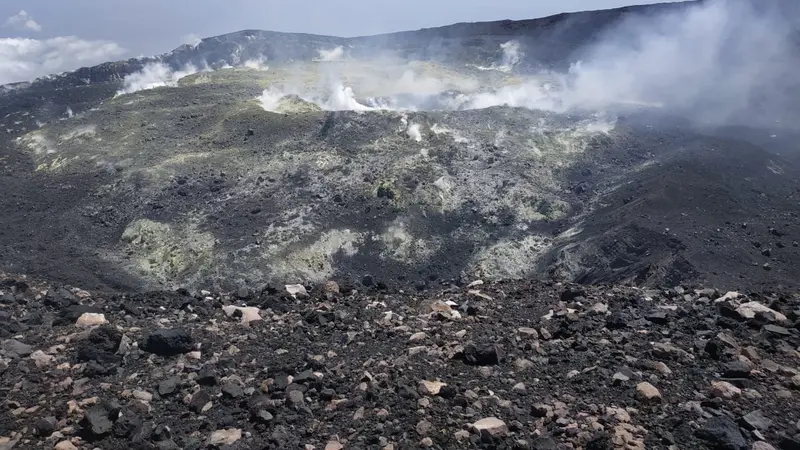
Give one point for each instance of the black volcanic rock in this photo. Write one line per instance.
(722, 433)
(168, 342)
(483, 354)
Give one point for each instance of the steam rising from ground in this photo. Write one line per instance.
(511, 57)
(154, 75)
(711, 57)
(334, 54)
(707, 60)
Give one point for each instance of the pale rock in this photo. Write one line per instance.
(331, 287)
(87, 320)
(225, 437)
(461, 435)
(751, 353)
(723, 389)
(249, 313)
(430, 387)
(523, 364)
(663, 369)
(143, 396)
(646, 392)
(527, 332)
(296, 289)
(599, 308)
(795, 381)
(761, 445)
(728, 296)
(750, 309)
(41, 359)
(424, 427)
(417, 337)
(545, 333)
(65, 445)
(492, 426)
(334, 445)
(619, 414)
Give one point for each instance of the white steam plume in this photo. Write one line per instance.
(708, 59)
(511, 57)
(334, 54)
(259, 63)
(154, 75)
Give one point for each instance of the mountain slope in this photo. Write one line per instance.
(407, 159)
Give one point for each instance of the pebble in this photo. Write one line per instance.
(143, 396)
(430, 387)
(492, 426)
(417, 337)
(65, 445)
(87, 320)
(723, 389)
(225, 437)
(248, 314)
(334, 445)
(527, 332)
(424, 427)
(648, 393)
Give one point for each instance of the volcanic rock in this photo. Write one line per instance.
(13, 348)
(482, 354)
(87, 320)
(647, 393)
(168, 342)
(225, 437)
(723, 433)
(491, 426)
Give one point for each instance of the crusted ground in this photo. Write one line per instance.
(198, 184)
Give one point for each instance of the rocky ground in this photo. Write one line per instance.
(528, 365)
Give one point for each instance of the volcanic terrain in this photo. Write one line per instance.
(578, 231)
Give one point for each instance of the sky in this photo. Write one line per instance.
(39, 37)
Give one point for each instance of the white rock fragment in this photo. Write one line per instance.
(296, 289)
(750, 309)
(87, 320)
(225, 437)
(417, 337)
(492, 426)
(249, 313)
(334, 445)
(528, 332)
(142, 395)
(646, 392)
(728, 296)
(41, 358)
(430, 387)
(723, 389)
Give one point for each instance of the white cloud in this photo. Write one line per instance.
(26, 59)
(23, 21)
